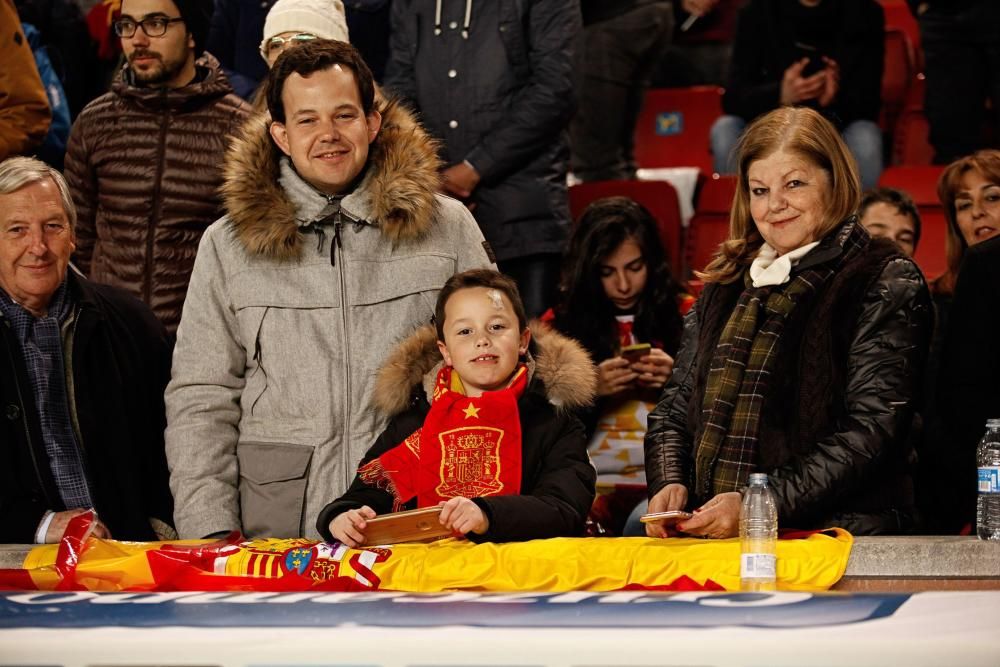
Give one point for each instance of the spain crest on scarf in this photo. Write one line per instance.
(468, 447)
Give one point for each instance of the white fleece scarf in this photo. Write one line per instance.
(769, 269)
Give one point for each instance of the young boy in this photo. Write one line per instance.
(479, 425)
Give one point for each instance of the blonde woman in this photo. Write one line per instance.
(802, 357)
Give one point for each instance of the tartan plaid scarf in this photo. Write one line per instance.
(738, 376)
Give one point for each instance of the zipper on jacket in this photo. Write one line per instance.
(154, 218)
(336, 248)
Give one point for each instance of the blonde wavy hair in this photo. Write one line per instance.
(806, 133)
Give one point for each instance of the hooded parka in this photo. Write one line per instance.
(296, 298)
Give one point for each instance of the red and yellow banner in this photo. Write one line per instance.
(807, 562)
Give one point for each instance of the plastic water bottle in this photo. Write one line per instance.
(758, 536)
(988, 505)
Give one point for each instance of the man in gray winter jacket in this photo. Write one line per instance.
(333, 249)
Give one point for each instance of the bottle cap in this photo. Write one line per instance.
(758, 478)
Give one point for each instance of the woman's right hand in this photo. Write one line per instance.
(614, 376)
(671, 497)
(348, 528)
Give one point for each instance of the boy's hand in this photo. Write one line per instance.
(462, 516)
(349, 528)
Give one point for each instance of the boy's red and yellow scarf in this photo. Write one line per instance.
(468, 447)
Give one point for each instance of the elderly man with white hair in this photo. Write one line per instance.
(82, 374)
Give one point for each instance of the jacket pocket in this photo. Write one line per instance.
(273, 488)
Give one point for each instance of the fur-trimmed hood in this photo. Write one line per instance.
(397, 193)
(561, 363)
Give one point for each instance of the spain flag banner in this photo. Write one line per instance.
(806, 562)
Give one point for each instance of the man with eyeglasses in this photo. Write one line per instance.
(292, 22)
(144, 161)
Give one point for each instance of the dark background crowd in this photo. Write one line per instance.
(155, 112)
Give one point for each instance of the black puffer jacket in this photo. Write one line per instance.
(838, 409)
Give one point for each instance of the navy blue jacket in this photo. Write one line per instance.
(500, 99)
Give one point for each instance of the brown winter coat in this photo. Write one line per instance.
(145, 166)
(24, 108)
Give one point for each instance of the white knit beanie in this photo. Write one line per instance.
(323, 18)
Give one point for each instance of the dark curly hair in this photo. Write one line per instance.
(585, 312)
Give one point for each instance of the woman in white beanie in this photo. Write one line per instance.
(294, 21)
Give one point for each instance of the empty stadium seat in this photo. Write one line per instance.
(673, 127)
(910, 144)
(920, 182)
(899, 17)
(897, 74)
(710, 225)
(659, 197)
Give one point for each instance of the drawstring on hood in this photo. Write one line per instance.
(465, 24)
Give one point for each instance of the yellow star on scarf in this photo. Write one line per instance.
(471, 411)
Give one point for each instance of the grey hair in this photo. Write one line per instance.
(18, 172)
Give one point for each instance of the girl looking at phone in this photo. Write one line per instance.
(617, 294)
(617, 291)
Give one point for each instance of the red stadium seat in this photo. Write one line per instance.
(899, 17)
(673, 127)
(659, 197)
(910, 144)
(898, 72)
(920, 182)
(710, 225)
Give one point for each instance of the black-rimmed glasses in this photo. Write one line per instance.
(154, 26)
